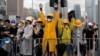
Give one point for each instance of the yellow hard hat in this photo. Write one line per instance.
(39, 20)
(78, 22)
(65, 21)
(50, 14)
(22, 21)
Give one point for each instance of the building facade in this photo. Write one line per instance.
(77, 11)
(90, 5)
(2, 7)
(14, 7)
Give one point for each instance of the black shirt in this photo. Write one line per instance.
(1, 30)
(10, 30)
(13, 31)
(6, 29)
(39, 35)
(89, 33)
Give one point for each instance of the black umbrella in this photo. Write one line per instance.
(61, 49)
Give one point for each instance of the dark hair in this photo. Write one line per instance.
(0, 19)
(7, 21)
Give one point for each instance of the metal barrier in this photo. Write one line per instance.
(78, 48)
(82, 47)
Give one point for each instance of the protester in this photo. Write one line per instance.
(49, 38)
(19, 35)
(89, 38)
(77, 34)
(66, 36)
(20, 30)
(6, 37)
(13, 34)
(26, 46)
(38, 31)
(38, 35)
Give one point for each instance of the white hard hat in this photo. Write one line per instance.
(90, 24)
(30, 18)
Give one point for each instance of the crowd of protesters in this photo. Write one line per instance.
(55, 36)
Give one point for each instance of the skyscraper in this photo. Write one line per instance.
(90, 4)
(47, 9)
(96, 14)
(77, 11)
(11, 7)
(20, 8)
(2, 7)
(14, 7)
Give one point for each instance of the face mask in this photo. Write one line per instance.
(49, 19)
(66, 26)
(1, 23)
(20, 25)
(13, 24)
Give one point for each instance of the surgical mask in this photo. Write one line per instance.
(20, 25)
(13, 24)
(1, 23)
(49, 19)
(66, 26)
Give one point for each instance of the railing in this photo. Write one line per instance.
(76, 46)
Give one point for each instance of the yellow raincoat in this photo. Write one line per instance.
(66, 32)
(66, 35)
(66, 38)
(49, 32)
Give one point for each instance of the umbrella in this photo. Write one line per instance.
(61, 49)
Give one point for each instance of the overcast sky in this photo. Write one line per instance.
(71, 3)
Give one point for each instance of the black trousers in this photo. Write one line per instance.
(3, 52)
(26, 55)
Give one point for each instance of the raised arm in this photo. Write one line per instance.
(42, 17)
(56, 16)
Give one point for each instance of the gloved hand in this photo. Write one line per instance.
(56, 6)
(40, 7)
